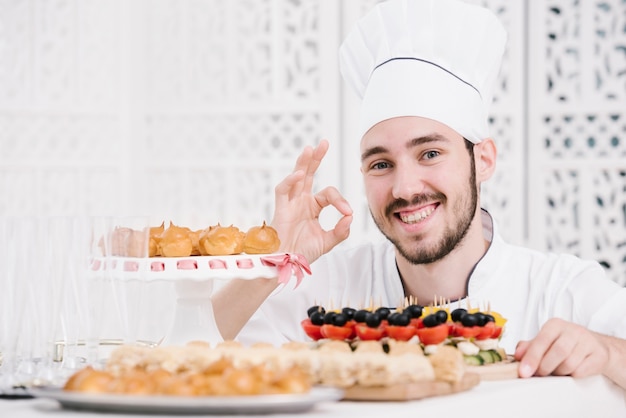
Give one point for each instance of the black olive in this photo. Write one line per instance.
(372, 319)
(469, 320)
(340, 320)
(391, 319)
(317, 318)
(490, 318)
(383, 312)
(315, 308)
(349, 312)
(400, 319)
(457, 314)
(328, 317)
(480, 319)
(415, 311)
(442, 316)
(359, 316)
(430, 321)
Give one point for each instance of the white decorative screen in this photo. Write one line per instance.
(193, 110)
(577, 130)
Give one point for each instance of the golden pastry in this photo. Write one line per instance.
(195, 242)
(155, 238)
(261, 240)
(221, 240)
(175, 242)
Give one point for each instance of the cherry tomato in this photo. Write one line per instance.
(335, 332)
(486, 331)
(497, 331)
(351, 324)
(433, 335)
(417, 323)
(366, 333)
(400, 333)
(466, 332)
(312, 330)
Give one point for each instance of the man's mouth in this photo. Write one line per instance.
(416, 216)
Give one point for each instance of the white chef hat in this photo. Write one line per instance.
(437, 59)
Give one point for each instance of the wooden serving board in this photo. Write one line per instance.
(498, 371)
(410, 391)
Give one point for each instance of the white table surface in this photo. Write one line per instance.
(536, 397)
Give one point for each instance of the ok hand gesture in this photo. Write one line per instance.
(296, 216)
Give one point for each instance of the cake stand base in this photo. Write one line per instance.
(193, 319)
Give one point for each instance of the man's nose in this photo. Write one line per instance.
(408, 182)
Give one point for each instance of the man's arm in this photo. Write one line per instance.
(567, 349)
(296, 219)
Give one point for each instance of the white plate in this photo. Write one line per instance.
(231, 405)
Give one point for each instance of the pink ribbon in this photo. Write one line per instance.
(288, 265)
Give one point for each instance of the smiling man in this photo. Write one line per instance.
(421, 184)
(425, 71)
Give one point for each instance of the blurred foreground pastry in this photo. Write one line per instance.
(230, 368)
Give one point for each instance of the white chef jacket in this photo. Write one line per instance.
(525, 286)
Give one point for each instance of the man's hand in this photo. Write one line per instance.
(566, 349)
(296, 215)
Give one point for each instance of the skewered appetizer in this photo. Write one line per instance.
(474, 333)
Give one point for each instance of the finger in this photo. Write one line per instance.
(590, 356)
(533, 358)
(339, 233)
(567, 350)
(524, 370)
(284, 190)
(330, 196)
(590, 365)
(313, 164)
(520, 350)
(302, 164)
(572, 362)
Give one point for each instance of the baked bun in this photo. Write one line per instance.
(155, 238)
(175, 242)
(89, 380)
(195, 242)
(221, 240)
(261, 240)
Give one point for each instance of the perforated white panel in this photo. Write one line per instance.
(194, 110)
(577, 130)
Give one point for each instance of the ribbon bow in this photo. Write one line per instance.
(288, 265)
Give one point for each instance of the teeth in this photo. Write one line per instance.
(416, 216)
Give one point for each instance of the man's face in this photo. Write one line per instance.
(421, 187)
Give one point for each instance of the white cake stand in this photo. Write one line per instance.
(194, 280)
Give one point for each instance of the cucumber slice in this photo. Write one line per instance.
(496, 356)
(476, 360)
(487, 356)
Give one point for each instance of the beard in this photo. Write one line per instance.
(454, 233)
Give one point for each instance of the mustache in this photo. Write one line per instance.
(416, 200)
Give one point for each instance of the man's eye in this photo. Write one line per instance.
(380, 165)
(430, 154)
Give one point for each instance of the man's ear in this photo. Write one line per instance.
(485, 153)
